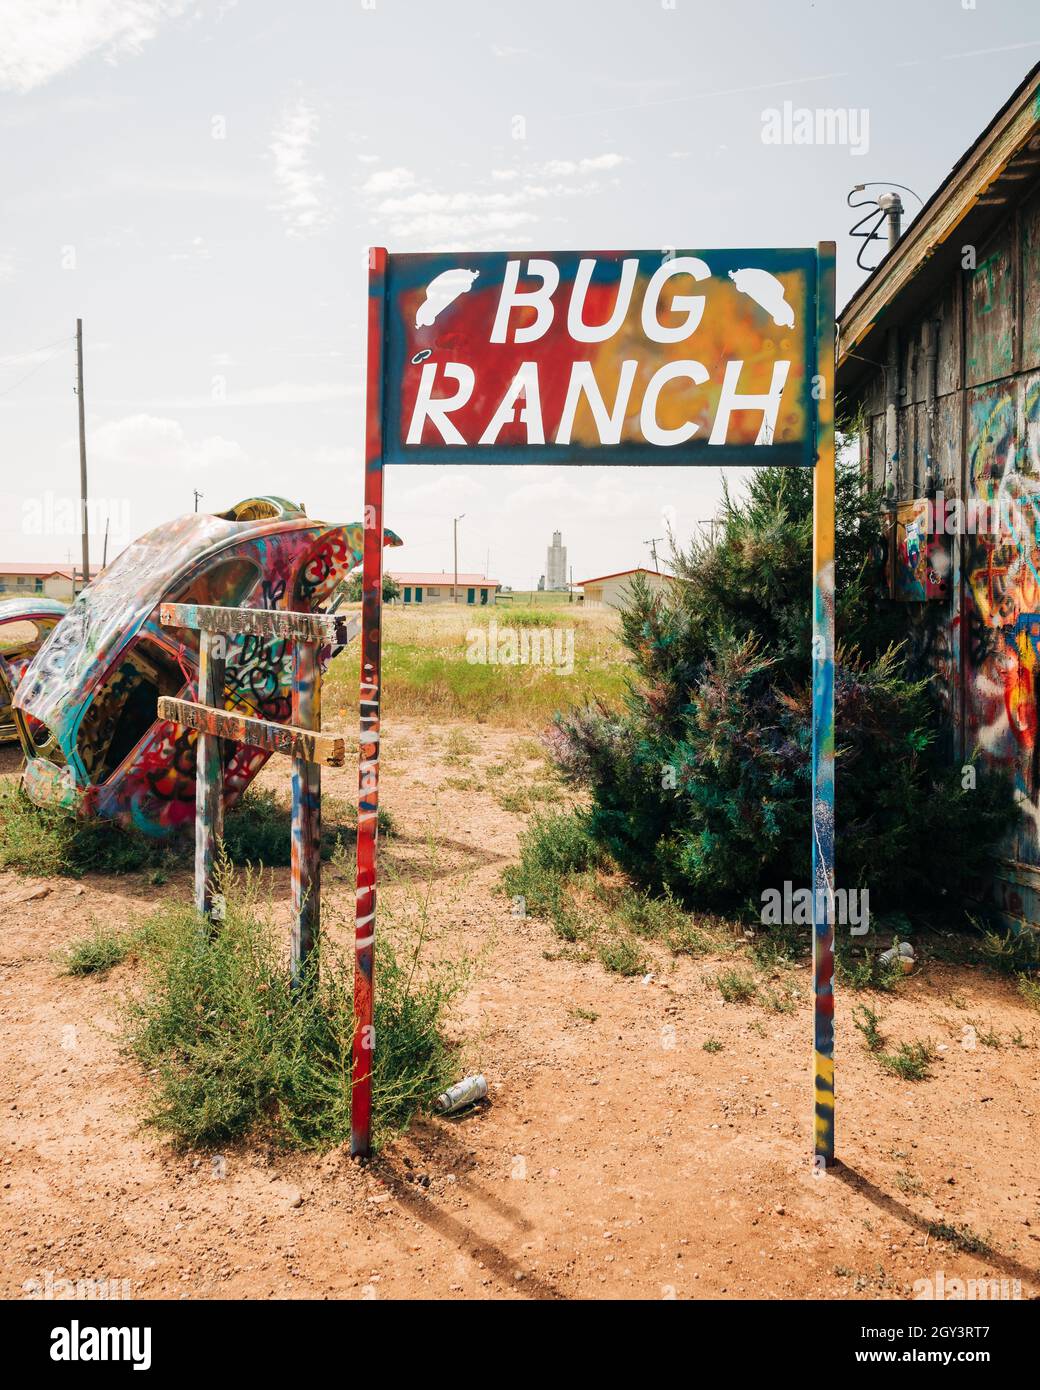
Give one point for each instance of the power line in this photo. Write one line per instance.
(50, 358)
(21, 356)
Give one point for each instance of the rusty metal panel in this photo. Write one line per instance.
(990, 325)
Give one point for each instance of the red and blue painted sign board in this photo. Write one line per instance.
(618, 357)
(593, 357)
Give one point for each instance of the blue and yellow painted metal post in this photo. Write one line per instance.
(823, 716)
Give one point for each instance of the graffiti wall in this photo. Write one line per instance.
(958, 426)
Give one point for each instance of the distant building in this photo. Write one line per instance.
(430, 587)
(21, 581)
(612, 590)
(556, 564)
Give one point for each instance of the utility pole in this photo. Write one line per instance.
(104, 553)
(455, 530)
(652, 543)
(82, 453)
(570, 587)
(198, 494)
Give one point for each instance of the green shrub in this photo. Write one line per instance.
(621, 956)
(910, 1061)
(702, 784)
(54, 843)
(233, 1052)
(736, 986)
(869, 1024)
(98, 952)
(553, 845)
(45, 842)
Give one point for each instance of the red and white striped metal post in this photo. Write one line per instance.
(368, 759)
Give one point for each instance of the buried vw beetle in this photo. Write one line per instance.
(86, 706)
(25, 624)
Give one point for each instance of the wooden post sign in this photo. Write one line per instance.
(592, 357)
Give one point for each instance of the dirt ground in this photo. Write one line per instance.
(617, 1157)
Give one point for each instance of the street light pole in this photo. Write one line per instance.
(84, 511)
(455, 533)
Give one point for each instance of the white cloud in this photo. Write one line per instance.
(278, 393)
(389, 181)
(561, 167)
(413, 208)
(295, 393)
(304, 195)
(41, 38)
(150, 443)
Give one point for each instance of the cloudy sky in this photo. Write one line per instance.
(199, 182)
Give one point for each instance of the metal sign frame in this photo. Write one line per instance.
(388, 356)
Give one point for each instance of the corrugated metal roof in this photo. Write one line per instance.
(430, 577)
(621, 574)
(38, 571)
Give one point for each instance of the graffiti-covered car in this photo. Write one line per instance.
(25, 624)
(86, 705)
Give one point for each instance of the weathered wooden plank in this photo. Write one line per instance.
(313, 747)
(337, 628)
(209, 782)
(306, 819)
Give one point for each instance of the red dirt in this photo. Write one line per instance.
(617, 1158)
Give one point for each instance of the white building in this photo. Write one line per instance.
(424, 586)
(556, 564)
(24, 581)
(612, 590)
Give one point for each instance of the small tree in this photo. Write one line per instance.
(391, 588)
(702, 784)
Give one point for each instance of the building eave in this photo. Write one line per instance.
(972, 199)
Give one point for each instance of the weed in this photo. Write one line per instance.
(1029, 989)
(910, 1061)
(960, 1237)
(621, 956)
(711, 1045)
(98, 952)
(235, 1052)
(869, 1024)
(736, 986)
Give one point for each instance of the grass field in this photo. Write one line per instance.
(428, 665)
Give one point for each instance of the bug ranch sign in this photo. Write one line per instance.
(590, 357)
(632, 357)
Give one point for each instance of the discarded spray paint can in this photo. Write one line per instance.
(900, 953)
(465, 1092)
